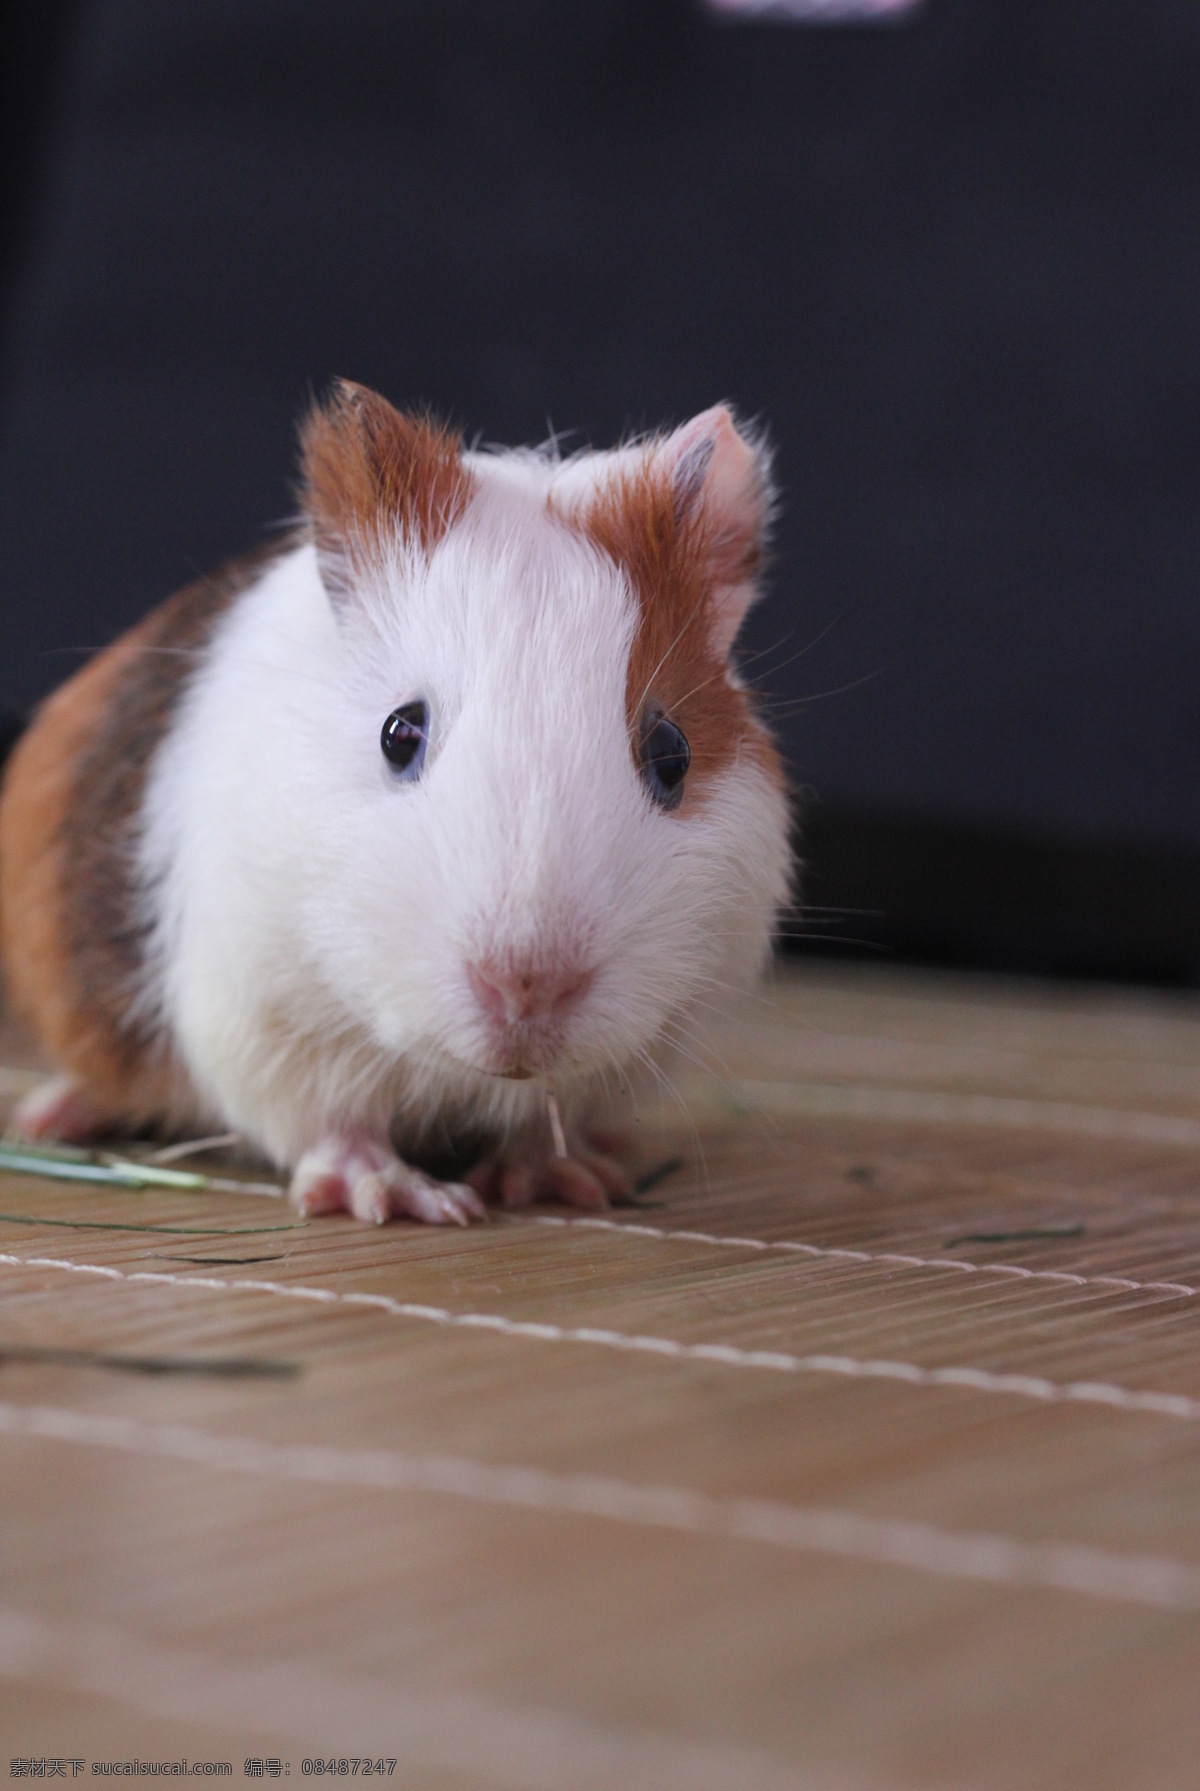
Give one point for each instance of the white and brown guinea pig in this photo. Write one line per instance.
(355, 845)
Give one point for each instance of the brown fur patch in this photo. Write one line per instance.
(73, 941)
(368, 468)
(666, 550)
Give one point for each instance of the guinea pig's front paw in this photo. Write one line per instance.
(586, 1179)
(349, 1173)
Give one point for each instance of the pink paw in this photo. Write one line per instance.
(357, 1175)
(586, 1180)
(60, 1111)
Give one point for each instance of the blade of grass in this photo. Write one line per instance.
(652, 1177)
(189, 1231)
(211, 1261)
(64, 1163)
(116, 1173)
(153, 1175)
(217, 1184)
(223, 1367)
(1031, 1235)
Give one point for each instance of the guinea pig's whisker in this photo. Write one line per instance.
(745, 659)
(646, 688)
(796, 704)
(774, 670)
(759, 704)
(668, 1087)
(681, 1045)
(700, 1036)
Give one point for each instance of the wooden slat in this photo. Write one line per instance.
(979, 1558)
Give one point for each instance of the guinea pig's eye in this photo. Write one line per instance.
(663, 757)
(404, 739)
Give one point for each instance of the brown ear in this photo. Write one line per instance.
(369, 472)
(722, 487)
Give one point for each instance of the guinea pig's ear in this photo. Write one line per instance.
(721, 479)
(370, 475)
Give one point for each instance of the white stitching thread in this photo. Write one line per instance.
(979, 1380)
(891, 1259)
(1002, 1560)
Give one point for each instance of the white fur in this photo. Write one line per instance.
(314, 917)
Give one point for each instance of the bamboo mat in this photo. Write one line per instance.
(868, 1455)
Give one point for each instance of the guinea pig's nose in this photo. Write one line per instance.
(511, 993)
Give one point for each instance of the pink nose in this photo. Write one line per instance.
(509, 994)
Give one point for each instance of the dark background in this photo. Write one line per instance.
(954, 263)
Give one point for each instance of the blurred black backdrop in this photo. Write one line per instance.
(953, 263)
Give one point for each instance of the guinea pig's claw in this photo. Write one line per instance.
(409, 1195)
(319, 1194)
(364, 1178)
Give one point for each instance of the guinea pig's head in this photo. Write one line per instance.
(562, 826)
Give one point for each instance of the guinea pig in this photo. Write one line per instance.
(451, 796)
